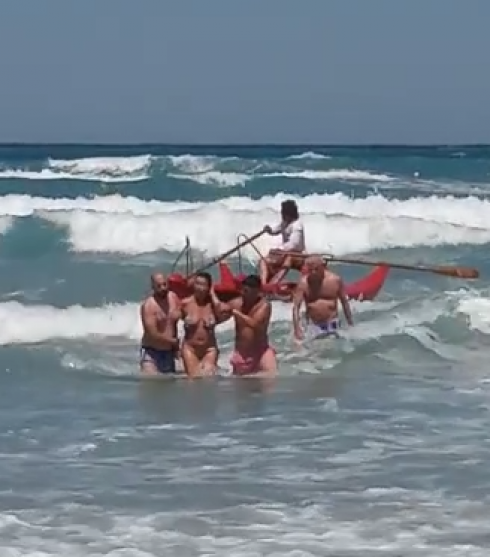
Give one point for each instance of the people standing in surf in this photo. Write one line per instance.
(252, 314)
(201, 313)
(320, 290)
(159, 314)
(277, 263)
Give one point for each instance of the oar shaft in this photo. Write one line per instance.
(403, 266)
(238, 246)
(456, 272)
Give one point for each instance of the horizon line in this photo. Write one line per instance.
(284, 145)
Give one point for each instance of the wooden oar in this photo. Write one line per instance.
(455, 272)
(238, 246)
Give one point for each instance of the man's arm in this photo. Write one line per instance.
(177, 307)
(273, 230)
(345, 303)
(177, 313)
(298, 298)
(262, 316)
(226, 310)
(149, 322)
(221, 310)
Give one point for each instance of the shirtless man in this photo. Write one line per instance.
(252, 315)
(159, 315)
(276, 265)
(320, 290)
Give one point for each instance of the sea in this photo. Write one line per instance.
(376, 444)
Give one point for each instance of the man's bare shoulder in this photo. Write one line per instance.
(265, 307)
(148, 307)
(266, 303)
(332, 278)
(148, 302)
(173, 298)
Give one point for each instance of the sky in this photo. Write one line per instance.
(245, 71)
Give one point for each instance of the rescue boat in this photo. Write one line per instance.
(228, 285)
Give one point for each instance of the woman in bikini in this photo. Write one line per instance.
(201, 312)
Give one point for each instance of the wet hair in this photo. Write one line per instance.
(290, 209)
(206, 276)
(252, 281)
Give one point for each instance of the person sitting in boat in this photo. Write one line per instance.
(275, 266)
(321, 290)
(201, 313)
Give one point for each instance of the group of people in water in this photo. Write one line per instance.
(319, 289)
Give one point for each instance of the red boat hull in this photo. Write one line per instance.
(228, 286)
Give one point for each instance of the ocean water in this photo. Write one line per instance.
(375, 445)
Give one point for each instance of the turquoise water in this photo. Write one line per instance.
(377, 445)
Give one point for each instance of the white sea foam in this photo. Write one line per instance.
(216, 178)
(227, 172)
(230, 179)
(195, 164)
(100, 169)
(39, 323)
(333, 174)
(24, 324)
(5, 224)
(209, 170)
(334, 223)
(104, 166)
(477, 311)
(309, 155)
(400, 522)
(204, 170)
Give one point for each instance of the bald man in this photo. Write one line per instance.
(320, 290)
(160, 313)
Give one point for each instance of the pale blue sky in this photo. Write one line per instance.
(238, 71)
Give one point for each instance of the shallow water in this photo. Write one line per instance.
(374, 445)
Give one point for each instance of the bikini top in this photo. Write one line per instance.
(209, 323)
(192, 322)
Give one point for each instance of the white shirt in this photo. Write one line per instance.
(293, 236)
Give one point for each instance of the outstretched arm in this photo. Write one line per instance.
(226, 310)
(298, 298)
(273, 230)
(345, 304)
(179, 308)
(222, 311)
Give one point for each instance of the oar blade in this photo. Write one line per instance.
(458, 272)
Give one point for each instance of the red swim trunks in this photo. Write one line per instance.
(250, 363)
